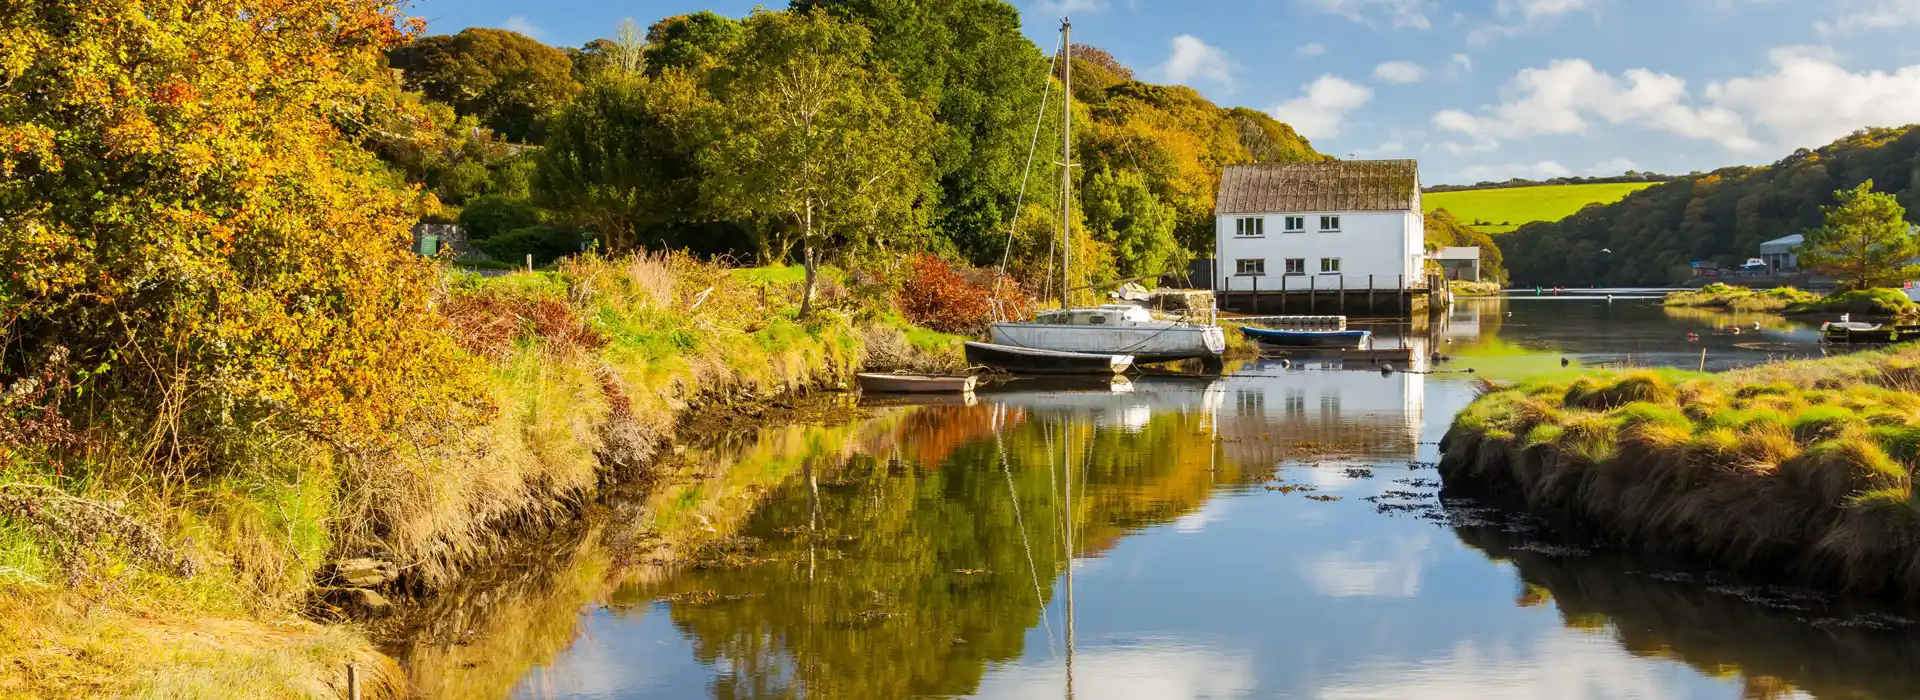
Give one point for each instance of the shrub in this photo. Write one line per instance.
(493, 215)
(1865, 302)
(545, 243)
(938, 297)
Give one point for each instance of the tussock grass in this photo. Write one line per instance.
(1735, 298)
(1804, 467)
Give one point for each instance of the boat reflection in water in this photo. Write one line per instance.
(1220, 542)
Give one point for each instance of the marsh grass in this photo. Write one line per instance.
(1802, 467)
(1734, 298)
(586, 369)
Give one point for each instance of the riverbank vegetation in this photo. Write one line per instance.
(1735, 298)
(1799, 469)
(1721, 217)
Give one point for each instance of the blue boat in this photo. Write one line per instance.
(1308, 339)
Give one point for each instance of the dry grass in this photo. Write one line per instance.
(1801, 467)
(587, 369)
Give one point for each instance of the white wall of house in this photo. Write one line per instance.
(1389, 245)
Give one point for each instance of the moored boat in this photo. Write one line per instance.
(1019, 360)
(1307, 339)
(884, 383)
(1117, 329)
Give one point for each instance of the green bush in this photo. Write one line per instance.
(545, 243)
(493, 215)
(1868, 302)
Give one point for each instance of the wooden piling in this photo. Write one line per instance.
(353, 681)
(1256, 293)
(1313, 294)
(1370, 306)
(1343, 292)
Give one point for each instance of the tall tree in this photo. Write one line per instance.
(983, 78)
(620, 157)
(692, 43)
(1136, 226)
(507, 80)
(817, 140)
(1866, 241)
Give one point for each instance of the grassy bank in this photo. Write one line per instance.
(1799, 468)
(1733, 298)
(1788, 300)
(118, 580)
(1468, 288)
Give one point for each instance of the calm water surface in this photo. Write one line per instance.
(1274, 533)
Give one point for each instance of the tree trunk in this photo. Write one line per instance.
(812, 263)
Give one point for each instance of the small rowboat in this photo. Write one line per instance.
(1019, 360)
(1308, 339)
(881, 383)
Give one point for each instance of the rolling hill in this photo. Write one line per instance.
(1506, 209)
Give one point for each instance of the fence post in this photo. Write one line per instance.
(1283, 293)
(1256, 294)
(1400, 291)
(1343, 292)
(1370, 307)
(1313, 294)
(353, 681)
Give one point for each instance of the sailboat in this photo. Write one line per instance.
(1108, 329)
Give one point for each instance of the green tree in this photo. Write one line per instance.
(507, 80)
(1136, 226)
(492, 215)
(1866, 241)
(620, 157)
(693, 42)
(983, 79)
(818, 144)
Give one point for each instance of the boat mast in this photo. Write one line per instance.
(1066, 157)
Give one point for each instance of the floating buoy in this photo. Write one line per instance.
(1563, 362)
(1386, 368)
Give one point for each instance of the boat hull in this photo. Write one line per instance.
(1159, 342)
(1307, 339)
(1019, 360)
(878, 383)
(1872, 336)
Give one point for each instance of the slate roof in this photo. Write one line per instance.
(1332, 186)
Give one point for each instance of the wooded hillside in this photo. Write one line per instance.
(1722, 216)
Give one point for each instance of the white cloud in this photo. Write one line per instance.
(1324, 108)
(1148, 668)
(520, 23)
(1806, 99)
(1561, 665)
(1864, 15)
(1389, 147)
(1194, 60)
(1526, 16)
(1611, 166)
(1565, 96)
(1399, 72)
(1542, 170)
(1313, 49)
(1399, 14)
(1068, 7)
(1459, 66)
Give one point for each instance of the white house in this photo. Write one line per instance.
(1332, 225)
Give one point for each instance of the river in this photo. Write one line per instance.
(1273, 533)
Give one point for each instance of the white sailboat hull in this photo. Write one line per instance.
(1159, 341)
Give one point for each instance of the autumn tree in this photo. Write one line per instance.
(692, 42)
(1866, 241)
(817, 144)
(183, 213)
(507, 80)
(1135, 225)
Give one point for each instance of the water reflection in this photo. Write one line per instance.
(1231, 538)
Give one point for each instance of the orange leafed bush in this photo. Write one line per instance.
(937, 296)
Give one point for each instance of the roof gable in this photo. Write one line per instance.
(1331, 186)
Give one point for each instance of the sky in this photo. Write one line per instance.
(1474, 89)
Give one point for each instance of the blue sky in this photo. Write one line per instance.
(1480, 89)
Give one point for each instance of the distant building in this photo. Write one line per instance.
(1349, 225)
(1782, 254)
(1459, 262)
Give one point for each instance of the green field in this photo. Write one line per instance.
(1506, 209)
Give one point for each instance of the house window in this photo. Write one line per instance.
(1250, 227)
(1329, 266)
(1296, 266)
(1330, 223)
(1251, 266)
(1296, 224)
